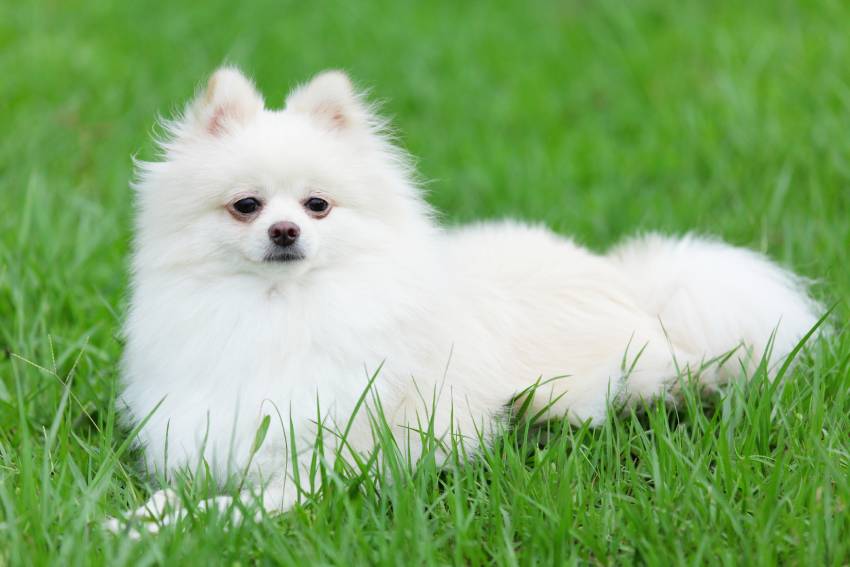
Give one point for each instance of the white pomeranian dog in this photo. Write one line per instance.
(286, 258)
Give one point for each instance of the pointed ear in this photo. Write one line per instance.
(330, 99)
(229, 100)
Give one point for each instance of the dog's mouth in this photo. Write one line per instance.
(283, 255)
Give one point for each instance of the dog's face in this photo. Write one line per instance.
(243, 189)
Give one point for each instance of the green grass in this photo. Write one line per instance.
(600, 118)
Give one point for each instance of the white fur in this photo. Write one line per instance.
(477, 314)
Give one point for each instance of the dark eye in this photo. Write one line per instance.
(317, 206)
(247, 206)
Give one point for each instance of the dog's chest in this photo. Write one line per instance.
(218, 364)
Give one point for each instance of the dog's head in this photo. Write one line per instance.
(245, 189)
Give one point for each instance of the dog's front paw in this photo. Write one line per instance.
(163, 508)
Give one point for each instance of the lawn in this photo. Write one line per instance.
(600, 118)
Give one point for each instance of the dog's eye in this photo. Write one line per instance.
(317, 206)
(247, 206)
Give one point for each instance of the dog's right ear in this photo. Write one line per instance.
(229, 101)
(331, 100)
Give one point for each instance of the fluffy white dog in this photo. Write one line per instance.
(285, 257)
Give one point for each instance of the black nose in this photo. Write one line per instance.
(284, 233)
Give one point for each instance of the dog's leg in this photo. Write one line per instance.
(162, 508)
(648, 368)
(165, 508)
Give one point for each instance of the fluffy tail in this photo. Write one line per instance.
(713, 298)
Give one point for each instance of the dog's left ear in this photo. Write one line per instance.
(229, 100)
(330, 99)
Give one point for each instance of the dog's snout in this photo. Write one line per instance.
(284, 233)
